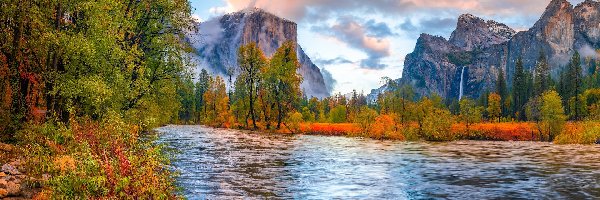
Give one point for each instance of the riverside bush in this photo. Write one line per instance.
(580, 133)
(92, 160)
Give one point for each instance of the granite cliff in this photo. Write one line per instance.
(484, 47)
(216, 43)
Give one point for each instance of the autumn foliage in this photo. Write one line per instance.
(384, 128)
(94, 160)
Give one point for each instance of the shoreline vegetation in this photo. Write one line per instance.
(574, 133)
(266, 97)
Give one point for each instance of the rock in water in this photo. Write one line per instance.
(217, 41)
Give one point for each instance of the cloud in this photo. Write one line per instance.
(220, 10)
(358, 36)
(379, 29)
(516, 13)
(433, 26)
(334, 61)
(588, 52)
(330, 82)
(197, 18)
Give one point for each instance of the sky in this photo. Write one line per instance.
(358, 42)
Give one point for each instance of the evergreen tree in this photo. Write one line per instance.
(502, 90)
(574, 86)
(541, 76)
(200, 88)
(519, 94)
(592, 67)
(185, 92)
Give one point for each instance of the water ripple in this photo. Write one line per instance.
(229, 164)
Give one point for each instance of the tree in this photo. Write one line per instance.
(338, 114)
(422, 110)
(93, 59)
(552, 115)
(366, 118)
(502, 90)
(437, 124)
(251, 60)
(469, 112)
(307, 115)
(217, 103)
(314, 105)
(592, 67)
(185, 92)
(592, 97)
(282, 80)
(541, 76)
(520, 94)
(200, 88)
(240, 106)
(494, 106)
(383, 126)
(574, 86)
(532, 109)
(577, 107)
(294, 121)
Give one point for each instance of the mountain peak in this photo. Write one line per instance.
(556, 6)
(468, 18)
(474, 32)
(255, 11)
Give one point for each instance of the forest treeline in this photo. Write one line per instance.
(81, 81)
(255, 101)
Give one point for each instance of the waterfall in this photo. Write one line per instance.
(462, 75)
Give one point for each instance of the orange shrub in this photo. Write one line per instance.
(331, 129)
(384, 125)
(497, 131)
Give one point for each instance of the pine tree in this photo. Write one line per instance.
(574, 86)
(519, 94)
(592, 67)
(200, 88)
(502, 90)
(542, 75)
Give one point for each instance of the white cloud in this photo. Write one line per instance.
(220, 10)
(197, 18)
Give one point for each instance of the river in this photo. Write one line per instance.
(230, 164)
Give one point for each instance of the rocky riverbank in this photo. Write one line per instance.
(14, 183)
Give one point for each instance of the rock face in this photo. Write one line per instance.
(475, 33)
(484, 47)
(217, 41)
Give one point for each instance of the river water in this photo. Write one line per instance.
(229, 164)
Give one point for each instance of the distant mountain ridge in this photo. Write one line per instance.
(218, 40)
(484, 47)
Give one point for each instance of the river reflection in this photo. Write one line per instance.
(226, 164)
